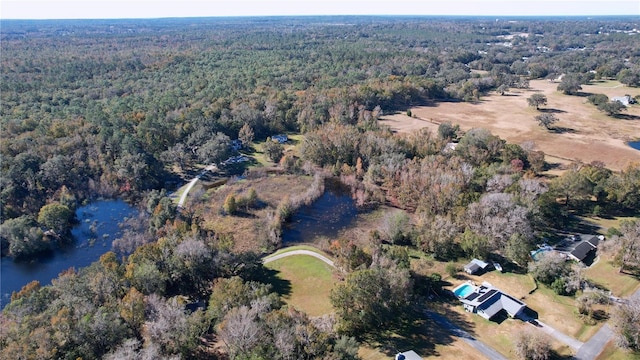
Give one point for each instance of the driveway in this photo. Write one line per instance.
(483, 348)
(592, 348)
(560, 336)
(193, 181)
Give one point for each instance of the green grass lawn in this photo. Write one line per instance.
(605, 274)
(612, 352)
(311, 281)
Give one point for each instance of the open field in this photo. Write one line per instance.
(612, 352)
(584, 134)
(605, 274)
(311, 282)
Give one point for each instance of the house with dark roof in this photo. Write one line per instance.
(588, 245)
(487, 301)
(475, 266)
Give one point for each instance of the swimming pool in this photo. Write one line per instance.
(463, 290)
(537, 254)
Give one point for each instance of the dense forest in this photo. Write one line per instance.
(131, 108)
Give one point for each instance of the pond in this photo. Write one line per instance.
(335, 210)
(634, 144)
(97, 228)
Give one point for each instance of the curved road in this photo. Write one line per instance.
(321, 257)
(193, 181)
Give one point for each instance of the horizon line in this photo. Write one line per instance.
(324, 15)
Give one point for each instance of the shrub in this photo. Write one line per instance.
(451, 269)
(230, 206)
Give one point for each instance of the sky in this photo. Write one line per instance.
(113, 9)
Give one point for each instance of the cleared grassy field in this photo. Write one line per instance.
(612, 352)
(584, 133)
(311, 282)
(606, 274)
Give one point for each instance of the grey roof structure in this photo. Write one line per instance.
(409, 355)
(474, 266)
(487, 301)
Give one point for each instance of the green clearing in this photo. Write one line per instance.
(311, 281)
(605, 274)
(612, 352)
(605, 223)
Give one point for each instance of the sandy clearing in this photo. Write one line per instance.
(588, 134)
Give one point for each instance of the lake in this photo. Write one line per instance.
(97, 228)
(634, 144)
(335, 210)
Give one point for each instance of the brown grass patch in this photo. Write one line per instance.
(589, 136)
(613, 352)
(248, 227)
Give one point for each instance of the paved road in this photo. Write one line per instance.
(269, 259)
(575, 344)
(592, 348)
(193, 181)
(483, 348)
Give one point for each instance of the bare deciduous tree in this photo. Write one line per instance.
(625, 320)
(240, 331)
(532, 345)
(498, 217)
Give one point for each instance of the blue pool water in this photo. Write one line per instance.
(463, 291)
(535, 255)
(635, 144)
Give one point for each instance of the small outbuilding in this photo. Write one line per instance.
(624, 100)
(475, 266)
(280, 138)
(408, 355)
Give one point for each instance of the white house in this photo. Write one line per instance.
(487, 301)
(624, 100)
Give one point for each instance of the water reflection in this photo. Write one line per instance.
(97, 228)
(335, 210)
